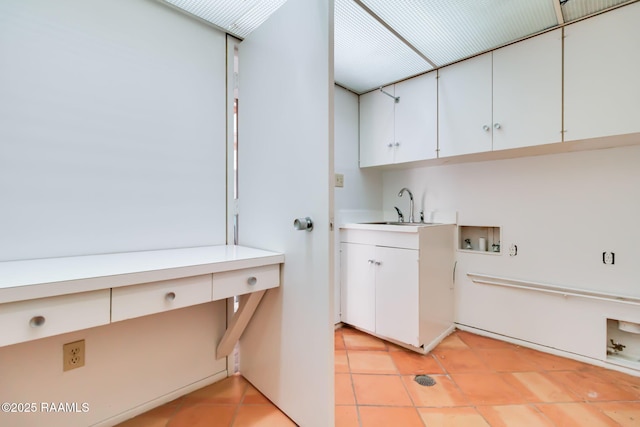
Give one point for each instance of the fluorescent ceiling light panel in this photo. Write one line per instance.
(576, 9)
(446, 31)
(237, 17)
(367, 55)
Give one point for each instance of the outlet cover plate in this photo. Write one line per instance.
(73, 355)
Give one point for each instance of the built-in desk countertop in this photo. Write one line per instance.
(44, 297)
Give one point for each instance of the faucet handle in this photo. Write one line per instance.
(400, 216)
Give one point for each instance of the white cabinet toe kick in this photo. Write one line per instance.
(41, 298)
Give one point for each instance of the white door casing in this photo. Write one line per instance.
(285, 171)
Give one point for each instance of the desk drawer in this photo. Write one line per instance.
(43, 317)
(239, 282)
(148, 298)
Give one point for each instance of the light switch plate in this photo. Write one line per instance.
(339, 180)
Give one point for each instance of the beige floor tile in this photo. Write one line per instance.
(261, 416)
(460, 361)
(344, 390)
(347, 416)
(487, 389)
(228, 391)
(514, 415)
(380, 390)
(371, 362)
(157, 417)
(341, 362)
(375, 416)
(203, 415)
(539, 387)
(576, 415)
(338, 341)
(356, 340)
(253, 397)
(479, 342)
(452, 342)
(549, 362)
(592, 387)
(410, 363)
(444, 393)
(452, 417)
(627, 414)
(505, 360)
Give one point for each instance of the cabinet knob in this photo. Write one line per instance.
(397, 144)
(486, 128)
(497, 125)
(252, 281)
(36, 321)
(377, 263)
(370, 261)
(390, 145)
(170, 296)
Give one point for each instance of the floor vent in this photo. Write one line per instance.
(425, 380)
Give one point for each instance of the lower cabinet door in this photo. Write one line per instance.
(357, 284)
(396, 300)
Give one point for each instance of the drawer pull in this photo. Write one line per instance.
(252, 280)
(170, 296)
(36, 321)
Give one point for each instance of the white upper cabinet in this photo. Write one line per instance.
(416, 119)
(404, 131)
(601, 69)
(464, 106)
(508, 98)
(376, 128)
(527, 92)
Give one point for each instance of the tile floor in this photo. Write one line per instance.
(479, 382)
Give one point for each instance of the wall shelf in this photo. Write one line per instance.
(472, 235)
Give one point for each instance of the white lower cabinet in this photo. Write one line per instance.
(397, 294)
(398, 285)
(358, 299)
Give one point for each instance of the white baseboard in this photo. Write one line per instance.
(550, 350)
(141, 409)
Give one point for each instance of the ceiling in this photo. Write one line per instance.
(378, 42)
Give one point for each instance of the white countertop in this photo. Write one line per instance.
(39, 278)
(388, 227)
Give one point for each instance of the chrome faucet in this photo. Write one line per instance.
(410, 202)
(400, 216)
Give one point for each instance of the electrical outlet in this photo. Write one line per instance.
(73, 355)
(513, 250)
(339, 180)
(608, 258)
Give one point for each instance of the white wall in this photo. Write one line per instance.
(112, 128)
(127, 364)
(112, 138)
(361, 197)
(562, 211)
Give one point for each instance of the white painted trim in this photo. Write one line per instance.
(548, 350)
(161, 400)
(484, 279)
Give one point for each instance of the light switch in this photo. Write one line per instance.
(339, 180)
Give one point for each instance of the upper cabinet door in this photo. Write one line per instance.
(464, 106)
(601, 69)
(527, 92)
(416, 119)
(376, 128)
